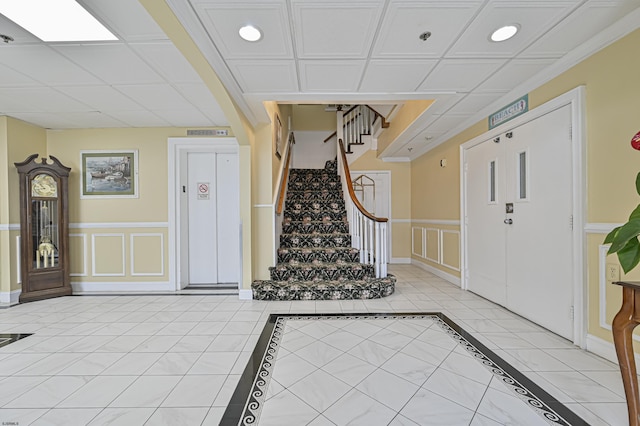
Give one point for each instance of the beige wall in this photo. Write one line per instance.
(408, 113)
(612, 92)
(313, 118)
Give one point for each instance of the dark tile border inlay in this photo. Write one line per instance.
(249, 393)
(7, 339)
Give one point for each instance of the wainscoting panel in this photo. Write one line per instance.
(78, 255)
(433, 245)
(418, 241)
(147, 254)
(108, 255)
(450, 249)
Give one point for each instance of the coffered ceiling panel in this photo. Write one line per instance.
(223, 20)
(59, 70)
(590, 19)
(330, 76)
(403, 23)
(402, 75)
(265, 76)
(112, 63)
(533, 19)
(134, 25)
(454, 74)
(335, 30)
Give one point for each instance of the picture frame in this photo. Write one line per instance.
(109, 174)
(277, 136)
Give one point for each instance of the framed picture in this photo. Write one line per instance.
(277, 136)
(109, 174)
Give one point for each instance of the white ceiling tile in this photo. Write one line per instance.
(405, 21)
(533, 18)
(93, 119)
(138, 118)
(587, 21)
(454, 74)
(47, 120)
(128, 19)
(167, 60)
(100, 97)
(200, 96)
(265, 76)
(185, 118)
(335, 30)
(513, 73)
(223, 20)
(400, 75)
(444, 102)
(12, 78)
(44, 99)
(45, 65)
(473, 103)
(114, 63)
(155, 96)
(330, 76)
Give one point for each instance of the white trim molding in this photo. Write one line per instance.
(9, 227)
(425, 233)
(437, 272)
(111, 225)
(83, 287)
(244, 294)
(455, 222)
(18, 259)
(10, 298)
(400, 220)
(262, 206)
(605, 349)
(441, 248)
(422, 241)
(600, 228)
(400, 261)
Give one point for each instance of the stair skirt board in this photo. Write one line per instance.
(316, 260)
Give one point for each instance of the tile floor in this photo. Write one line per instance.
(157, 360)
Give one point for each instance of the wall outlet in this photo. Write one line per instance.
(612, 272)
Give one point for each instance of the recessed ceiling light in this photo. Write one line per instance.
(250, 33)
(55, 20)
(504, 33)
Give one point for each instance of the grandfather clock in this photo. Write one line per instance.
(44, 221)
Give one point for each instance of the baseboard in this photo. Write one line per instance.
(122, 287)
(400, 260)
(604, 349)
(10, 298)
(244, 294)
(437, 272)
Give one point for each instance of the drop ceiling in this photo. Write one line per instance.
(364, 51)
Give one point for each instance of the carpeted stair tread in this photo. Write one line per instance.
(308, 215)
(320, 272)
(316, 227)
(324, 290)
(315, 240)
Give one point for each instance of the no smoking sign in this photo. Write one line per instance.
(203, 190)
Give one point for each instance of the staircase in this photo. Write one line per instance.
(316, 260)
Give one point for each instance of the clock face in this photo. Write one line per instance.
(44, 185)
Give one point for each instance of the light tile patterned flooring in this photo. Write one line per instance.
(156, 360)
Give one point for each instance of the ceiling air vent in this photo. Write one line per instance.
(207, 132)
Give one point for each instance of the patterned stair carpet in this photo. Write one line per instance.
(316, 260)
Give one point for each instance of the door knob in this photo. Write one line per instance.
(508, 221)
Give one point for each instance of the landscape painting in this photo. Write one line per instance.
(109, 174)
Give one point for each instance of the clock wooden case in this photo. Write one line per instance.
(44, 228)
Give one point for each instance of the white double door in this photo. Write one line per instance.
(519, 220)
(210, 232)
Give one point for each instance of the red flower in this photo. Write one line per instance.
(635, 141)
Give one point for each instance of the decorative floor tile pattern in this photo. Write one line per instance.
(98, 347)
(291, 386)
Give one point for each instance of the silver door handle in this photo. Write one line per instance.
(508, 221)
